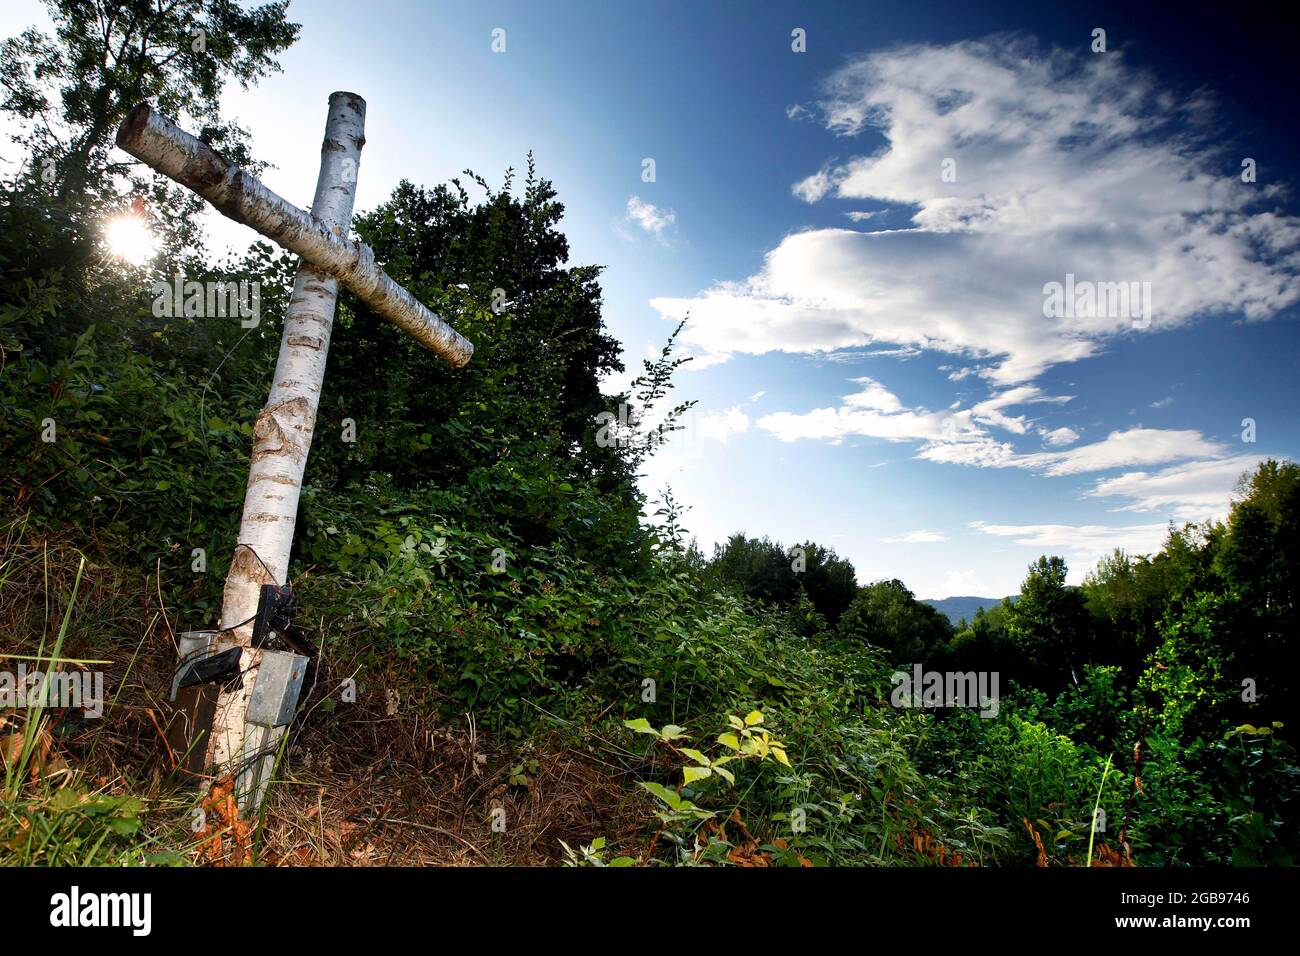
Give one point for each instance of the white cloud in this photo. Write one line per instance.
(756, 396)
(1163, 403)
(963, 582)
(917, 537)
(721, 426)
(1119, 449)
(1137, 446)
(906, 352)
(1080, 545)
(961, 436)
(1194, 491)
(649, 216)
(874, 412)
(815, 186)
(1065, 164)
(873, 395)
(989, 411)
(1057, 437)
(983, 452)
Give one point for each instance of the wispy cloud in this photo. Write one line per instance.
(1064, 164)
(1122, 449)
(917, 537)
(722, 426)
(1058, 437)
(648, 216)
(1082, 545)
(1193, 491)
(873, 412)
(1119, 449)
(961, 436)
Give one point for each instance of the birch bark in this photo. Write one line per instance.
(281, 440)
(283, 431)
(158, 142)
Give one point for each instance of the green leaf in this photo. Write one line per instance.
(753, 717)
(664, 794)
(695, 755)
(65, 799)
(691, 774)
(729, 740)
(164, 858)
(641, 726)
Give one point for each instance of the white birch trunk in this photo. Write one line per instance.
(281, 440)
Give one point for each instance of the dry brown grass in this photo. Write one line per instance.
(364, 784)
(402, 790)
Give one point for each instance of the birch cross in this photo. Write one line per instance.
(283, 432)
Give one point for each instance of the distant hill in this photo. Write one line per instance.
(957, 608)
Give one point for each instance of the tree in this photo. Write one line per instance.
(1126, 597)
(499, 268)
(829, 580)
(767, 571)
(983, 644)
(107, 56)
(1258, 561)
(887, 615)
(1227, 631)
(1049, 623)
(77, 340)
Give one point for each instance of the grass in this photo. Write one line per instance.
(50, 813)
(405, 774)
(372, 789)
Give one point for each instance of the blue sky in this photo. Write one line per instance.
(874, 367)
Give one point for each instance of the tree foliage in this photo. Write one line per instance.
(768, 571)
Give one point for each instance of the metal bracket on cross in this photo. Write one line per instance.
(248, 725)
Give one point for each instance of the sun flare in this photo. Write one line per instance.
(130, 239)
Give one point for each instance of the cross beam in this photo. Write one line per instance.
(158, 142)
(239, 745)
